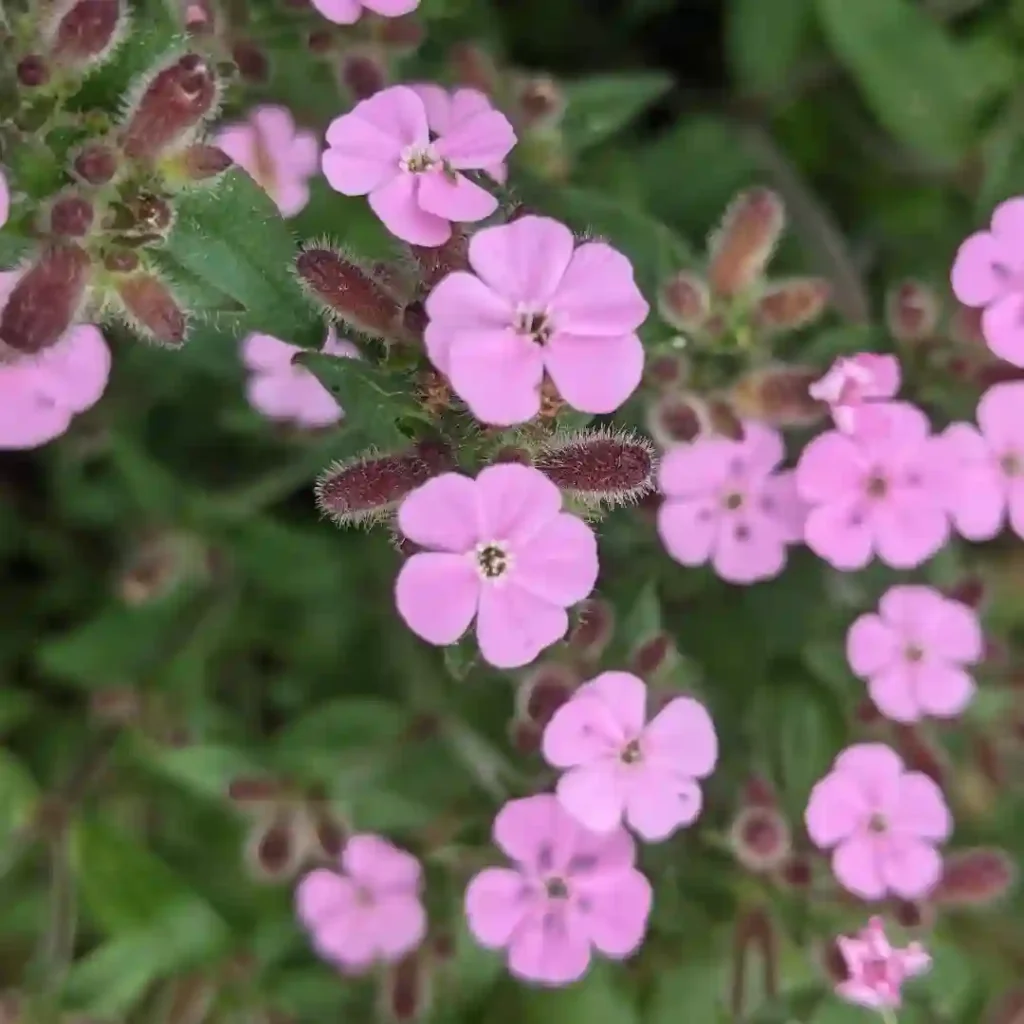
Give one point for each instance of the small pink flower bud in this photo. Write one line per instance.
(71, 216)
(592, 631)
(88, 32)
(362, 74)
(251, 61)
(974, 877)
(779, 396)
(544, 691)
(652, 656)
(790, 305)
(911, 311)
(760, 839)
(46, 299)
(601, 468)
(684, 301)
(96, 163)
(32, 72)
(173, 105)
(676, 419)
(150, 308)
(741, 247)
(348, 291)
(406, 989)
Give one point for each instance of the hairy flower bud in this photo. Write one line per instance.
(601, 468)
(46, 299)
(198, 163)
(71, 216)
(592, 631)
(676, 419)
(539, 102)
(329, 832)
(150, 308)
(743, 243)
(251, 61)
(760, 839)
(975, 877)
(797, 872)
(779, 396)
(667, 371)
(911, 311)
(723, 419)
(88, 32)
(439, 261)
(652, 656)
(405, 993)
(96, 163)
(172, 107)
(789, 305)
(276, 846)
(147, 214)
(362, 74)
(32, 71)
(544, 690)
(348, 291)
(525, 736)
(684, 301)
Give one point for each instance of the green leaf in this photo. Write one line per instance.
(698, 983)
(765, 40)
(204, 770)
(599, 106)
(460, 657)
(595, 999)
(15, 708)
(18, 793)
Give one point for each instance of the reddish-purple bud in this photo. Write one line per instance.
(150, 214)
(474, 67)
(965, 327)
(667, 371)
(329, 832)
(911, 311)
(151, 308)
(348, 291)
(276, 847)
(740, 248)
(913, 914)
(525, 736)
(121, 261)
(539, 101)
(676, 419)
(760, 839)
(779, 396)
(406, 989)
(47, 298)
(919, 753)
(404, 33)
(440, 261)
(759, 792)
(969, 591)
(173, 105)
(599, 468)
(202, 162)
(652, 656)
(88, 32)
(723, 419)
(790, 305)
(96, 163)
(592, 631)
(684, 301)
(797, 872)
(362, 74)
(544, 691)
(32, 71)
(71, 216)
(251, 61)
(975, 877)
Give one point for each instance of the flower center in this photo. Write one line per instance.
(364, 897)
(1012, 464)
(417, 159)
(877, 824)
(493, 560)
(534, 324)
(913, 653)
(556, 888)
(877, 486)
(631, 752)
(733, 501)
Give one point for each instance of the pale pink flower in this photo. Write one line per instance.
(42, 393)
(283, 390)
(726, 503)
(278, 156)
(989, 272)
(852, 384)
(537, 303)
(876, 969)
(383, 148)
(368, 912)
(5, 199)
(913, 653)
(569, 892)
(874, 493)
(348, 12)
(499, 548)
(983, 470)
(881, 822)
(620, 766)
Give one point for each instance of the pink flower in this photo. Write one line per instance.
(874, 493)
(913, 653)
(989, 272)
(446, 111)
(283, 390)
(5, 199)
(983, 472)
(537, 303)
(277, 155)
(369, 912)
(383, 148)
(881, 822)
(725, 503)
(876, 969)
(347, 12)
(41, 394)
(569, 891)
(852, 383)
(621, 766)
(501, 549)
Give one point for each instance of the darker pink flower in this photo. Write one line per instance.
(283, 390)
(370, 911)
(5, 199)
(852, 384)
(347, 12)
(383, 148)
(725, 503)
(569, 892)
(881, 822)
(913, 653)
(876, 969)
(500, 549)
(537, 303)
(620, 766)
(989, 272)
(874, 493)
(277, 155)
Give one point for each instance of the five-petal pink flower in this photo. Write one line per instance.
(348, 12)
(622, 767)
(874, 493)
(569, 892)
(368, 912)
(989, 272)
(913, 653)
(383, 148)
(535, 303)
(881, 822)
(877, 969)
(499, 548)
(853, 384)
(726, 503)
(278, 156)
(282, 389)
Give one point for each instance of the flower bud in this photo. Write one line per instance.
(438, 262)
(592, 631)
(525, 736)
(684, 301)
(740, 248)
(197, 163)
(676, 419)
(96, 163)
(652, 656)
(251, 61)
(88, 32)
(911, 311)
(368, 488)
(32, 72)
(46, 299)
(349, 292)
(789, 305)
(666, 371)
(149, 214)
(539, 102)
(258, 791)
(329, 833)
(544, 691)
(759, 792)
(965, 327)
(151, 309)
(406, 989)
(797, 872)
(71, 216)
(275, 848)
(600, 467)
(975, 877)
(919, 753)
(474, 67)
(970, 590)
(321, 41)
(362, 74)
(404, 33)
(913, 914)
(723, 419)
(779, 396)
(172, 106)
(760, 839)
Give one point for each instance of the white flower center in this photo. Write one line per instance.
(419, 158)
(493, 561)
(535, 324)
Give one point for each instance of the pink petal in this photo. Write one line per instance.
(277, 128)
(550, 952)
(438, 104)
(396, 202)
(341, 12)
(463, 300)
(477, 140)
(971, 488)
(835, 810)
(5, 200)
(976, 276)
(273, 394)
(454, 198)
(1003, 326)
(909, 528)
(391, 8)
(315, 406)
(497, 901)
(436, 594)
(443, 513)
(944, 690)
(354, 174)
(239, 142)
(466, 102)
(856, 865)
(513, 626)
(860, 994)
(559, 564)
(659, 803)
(73, 373)
(999, 415)
(748, 549)
(833, 533)
(697, 469)
(517, 503)
(381, 865)
(594, 794)
(688, 529)
(595, 374)
(762, 449)
(1016, 508)
(781, 502)
(365, 145)
(874, 764)
(952, 631)
(919, 809)
(617, 907)
(828, 468)
(1008, 228)
(536, 832)
(399, 924)
(524, 260)
(598, 295)
(582, 730)
(264, 352)
(625, 695)
(682, 737)
(324, 896)
(598, 857)
(303, 157)
(291, 196)
(397, 111)
(910, 868)
(349, 941)
(498, 375)
(871, 645)
(895, 694)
